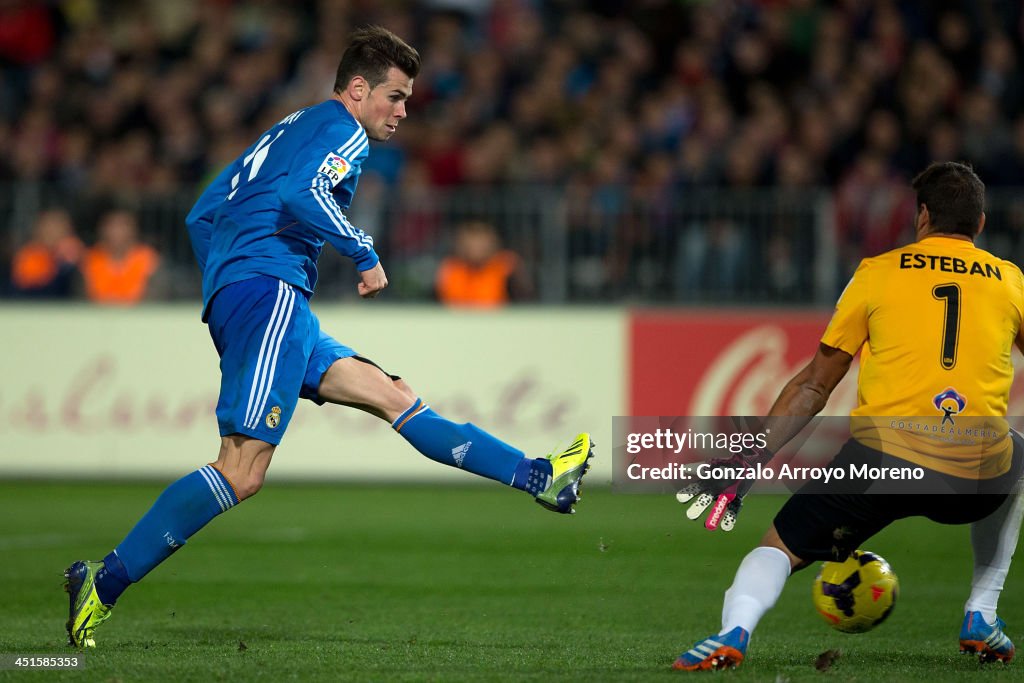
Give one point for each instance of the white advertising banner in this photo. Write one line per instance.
(111, 392)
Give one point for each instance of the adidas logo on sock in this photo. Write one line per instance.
(459, 452)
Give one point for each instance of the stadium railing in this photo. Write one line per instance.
(606, 244)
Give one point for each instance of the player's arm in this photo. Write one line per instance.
(805, 395)
(307, 195)
(802, 398)
(200, 219)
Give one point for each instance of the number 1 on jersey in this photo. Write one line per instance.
(950, 293)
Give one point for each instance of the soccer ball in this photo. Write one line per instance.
(857, 594)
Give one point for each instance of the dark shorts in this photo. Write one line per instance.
(818, 524)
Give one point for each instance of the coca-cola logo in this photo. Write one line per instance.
(746, 376)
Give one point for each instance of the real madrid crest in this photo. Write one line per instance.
(274, 417)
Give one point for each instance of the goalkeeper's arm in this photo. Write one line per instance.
(803, 397)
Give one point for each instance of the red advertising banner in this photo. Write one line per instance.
(728, 363)
(732, 363)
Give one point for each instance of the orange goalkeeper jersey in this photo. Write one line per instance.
(935, 323)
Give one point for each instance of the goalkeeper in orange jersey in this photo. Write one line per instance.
(935, 323)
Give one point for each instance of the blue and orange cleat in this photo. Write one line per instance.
(567, 470)
(87, 610)
(724, 651)
(978, 637)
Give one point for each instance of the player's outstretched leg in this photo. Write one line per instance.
(986, 640)
(724, 651)
(554, 479)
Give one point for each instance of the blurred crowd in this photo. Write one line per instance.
(118, 269)
(619, 104)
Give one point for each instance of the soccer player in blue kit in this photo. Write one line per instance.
(257, 232)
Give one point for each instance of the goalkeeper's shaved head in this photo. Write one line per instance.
(954, 196)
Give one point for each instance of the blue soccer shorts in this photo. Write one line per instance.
(272, 352)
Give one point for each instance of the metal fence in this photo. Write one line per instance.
(577, 245)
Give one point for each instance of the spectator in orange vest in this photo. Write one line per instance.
(119, 268)
(47, 265)
(479, 273)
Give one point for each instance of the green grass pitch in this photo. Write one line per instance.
(434, 583)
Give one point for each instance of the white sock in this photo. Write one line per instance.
(758, 584)
(994, 539)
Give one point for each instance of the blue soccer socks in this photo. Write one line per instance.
(533, 475)
(461, 445)
(185, 507)
(112, 579)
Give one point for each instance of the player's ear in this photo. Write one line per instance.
(981, 224)
(357, 88)
(923, 220)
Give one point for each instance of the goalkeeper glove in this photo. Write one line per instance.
(726, 493)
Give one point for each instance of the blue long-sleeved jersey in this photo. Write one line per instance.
(271, 210)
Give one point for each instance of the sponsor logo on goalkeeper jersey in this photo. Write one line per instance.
(950, 402)
(335, 168)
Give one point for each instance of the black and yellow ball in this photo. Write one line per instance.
(857, 594)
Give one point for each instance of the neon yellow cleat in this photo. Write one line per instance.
(567, 470)
(87, 610)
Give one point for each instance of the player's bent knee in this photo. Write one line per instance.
(772, 539)
(405, 389)
(244, 461)
(245, 482)
(248, 485)
(391, 399)
(394, 402)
